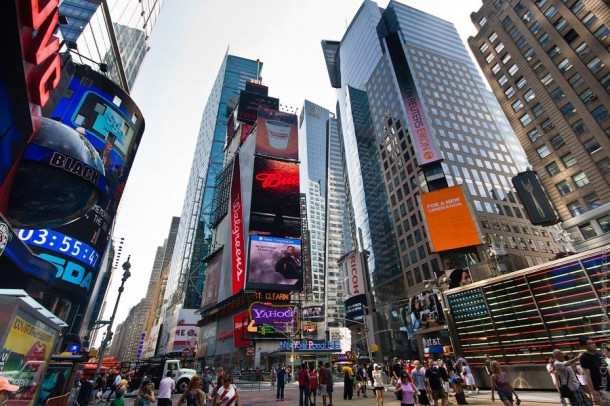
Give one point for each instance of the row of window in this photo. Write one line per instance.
(589, 229)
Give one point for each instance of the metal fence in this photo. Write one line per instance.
(249, 382)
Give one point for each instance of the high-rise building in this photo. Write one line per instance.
(416, 120)
(322, 176)
(194, 237)
(547, 62)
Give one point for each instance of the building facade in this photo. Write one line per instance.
(548, 65)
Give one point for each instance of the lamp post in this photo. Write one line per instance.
(126, 266)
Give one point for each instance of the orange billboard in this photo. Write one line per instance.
(450, 223)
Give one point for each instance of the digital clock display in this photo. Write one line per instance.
(61, 243)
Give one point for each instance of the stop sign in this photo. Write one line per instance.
(186, 352)
(250, 351)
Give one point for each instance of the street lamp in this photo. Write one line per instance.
(100, 354)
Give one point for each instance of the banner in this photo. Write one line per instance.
(535, 200)
(238, 246)
(353, 273)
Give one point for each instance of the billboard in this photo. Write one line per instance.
(277, 134)
(113, 125)
(212, 281)
(275, 204)
(535, 200)
(183, 333)
(426, 311)
(355, 310)
(281, 317)
(274, 264)
(450, 223)
(353, 273)
(206, 340)
(312, 312)
(238, 245)
(240, 324)
(249, 103)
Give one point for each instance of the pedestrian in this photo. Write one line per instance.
(227, 394)
(419, 380)
(445, 375)
(289, 374)
(370, 370)
(501, 384)
(348, 382)
(569, 386)
(99, 388)
(119, 399)
(193, 394)
(323, 381)
(330, 383)
(595, 368)
(220, 381)
(458, 388)
(487, 363)
(467, 375)
(6, 390)
(407, 390)
(166, 390)
(551, 370)
(313, 384)
(409, 367)
(281, 376)
(395, 371)
(378, 385)
(146, 395)
(114, 386)
(303, 377)
(206, 380)
(273, 377)
(361, 377)
(434, 383)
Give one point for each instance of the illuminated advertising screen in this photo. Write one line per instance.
(275, 205)
(312, 312)
(426, 311)
(310, 329)
(355, 310)
(212, 281)
(535, 200)
(240, 326)
(274, 264)
(281, 317)
(249, 103)
(277, 134)
(449, 220)
(113, 124)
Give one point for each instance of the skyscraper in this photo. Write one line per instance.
(400, 72)
(547, 64)
(193, 240)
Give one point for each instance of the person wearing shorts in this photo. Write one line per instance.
(330, 383)
(434, 383)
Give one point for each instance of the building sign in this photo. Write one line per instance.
(355, 310)
(433, 345)
(353, 273)
(238, 243)
(312, 312)
(206, 340)
(282, 318)
(449, 219)
(309, 345)
(240, 325)
(277, 134)
(274, 264)
(535, 200)
(183, 333)
(306, 250)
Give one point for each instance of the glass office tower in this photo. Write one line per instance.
(379, 52)
(193, 240)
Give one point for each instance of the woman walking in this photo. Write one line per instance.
(378, 385)
(500, 383)
(406, 389)
(227, 394)
(193, 394)
(146, 395)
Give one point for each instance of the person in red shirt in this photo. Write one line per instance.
(322, 381)
(303, 377)
(313, 385)
(409, 367)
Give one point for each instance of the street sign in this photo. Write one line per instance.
(250, 351)
(186, 352)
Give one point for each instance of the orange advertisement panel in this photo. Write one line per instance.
(449, 220)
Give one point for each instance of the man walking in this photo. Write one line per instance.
(595, 369)
(330, 384)
(303, 377)
(114, 386)
(434, 383)
(206, 378)
(281, 375)
(361, 377)
(166, 390)
(322, 382)
(566, 376)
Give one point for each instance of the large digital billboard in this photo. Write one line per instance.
(275, 205)
(212, 281)
(449, 220)
(274, 264)
(249, 103)
(277, 135)
(283, 317)
(535, 200)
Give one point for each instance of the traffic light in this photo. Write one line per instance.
(108, 339)
(392, 335)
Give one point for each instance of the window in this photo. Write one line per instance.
(529, 96)
(600, 113)
(587, 96)
(560, 24)
(513, 69)
(553, 168)
(605, 82)
(604, 166)
(589, 19)
(502, 81)
(576, 80)
(601, 33)
(518, 105)
(577, 7)
(550, 12)
(493, 37)
(575, 208)
(568, 110)
(525, 119)
(547, 79)
(536, 28)
(527, 17)
(507, 22)
(484, 47)
(519, 7)
(553, 52)
(592, 200)
(534, 135)
(521, 82)
(538, 66)
(604, 223)
(544, 39)
(483, 21)
(510, 92)
(587, 231)
(570, 36)
(547, 125)
(540, 3)
(564, 65)
(580, 127)
(505, 58)
(568, 160)
(595, 64)
(592, 146)
(557, 142)
(563, 188)
(529, 54)
(557, 94)
(543, 151)
(521, 42)
(582, 50)
(489, 58)
(499, 47)
(513, 32)
(495, 69)
(538, 110)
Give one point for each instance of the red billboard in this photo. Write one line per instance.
(240, 325)
(238, 245)
(277, 134)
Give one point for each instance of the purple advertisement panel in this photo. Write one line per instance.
(283, 318)
(421, 136)
(275, 264)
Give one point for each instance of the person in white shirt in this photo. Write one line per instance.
(115, 386)
(166, 390)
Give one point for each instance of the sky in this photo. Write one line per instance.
(187, 46)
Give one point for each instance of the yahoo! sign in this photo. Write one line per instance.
(282, 317)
